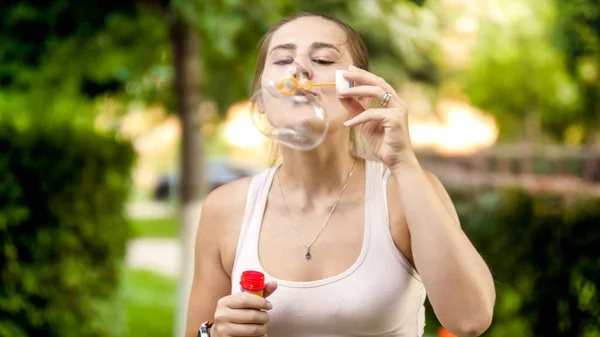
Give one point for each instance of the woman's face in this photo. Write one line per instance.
(314, 48)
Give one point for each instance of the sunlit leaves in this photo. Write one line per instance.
(516, 74)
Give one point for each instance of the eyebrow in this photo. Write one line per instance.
(315, 45)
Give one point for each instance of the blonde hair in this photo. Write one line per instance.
(360, 58)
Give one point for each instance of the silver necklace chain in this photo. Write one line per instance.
(307, 246)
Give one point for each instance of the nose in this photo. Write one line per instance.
(302, 72)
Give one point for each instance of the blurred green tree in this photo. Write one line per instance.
(542, 250)
(61, 58)
(31, 28)
(58, 60)
(577, 32)
(517, 75)
(230, 32)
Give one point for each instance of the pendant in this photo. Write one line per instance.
(307, 256)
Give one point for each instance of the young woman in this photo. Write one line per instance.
(351, 246)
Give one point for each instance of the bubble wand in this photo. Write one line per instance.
(290, 85)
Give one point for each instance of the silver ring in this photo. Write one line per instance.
(386, 99)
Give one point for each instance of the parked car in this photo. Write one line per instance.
(218, 171)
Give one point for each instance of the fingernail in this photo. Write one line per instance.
(346, 123)
(342, 91)
(269, 305)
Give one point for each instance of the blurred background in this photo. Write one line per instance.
(116, 118)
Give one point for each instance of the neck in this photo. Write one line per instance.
(320, 172)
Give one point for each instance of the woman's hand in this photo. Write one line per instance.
(386, 128)
(242, 314)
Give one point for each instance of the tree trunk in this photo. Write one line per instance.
(188, 86)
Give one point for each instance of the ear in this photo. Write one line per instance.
(256, 104)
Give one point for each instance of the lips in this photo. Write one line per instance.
(304, 96)
(306, 93)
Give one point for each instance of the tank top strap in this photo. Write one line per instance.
(373, 172)
(381, 230)
(374, 197)
(256, 202)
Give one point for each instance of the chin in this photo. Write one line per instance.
(313, 124)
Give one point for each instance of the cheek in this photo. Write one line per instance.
(335, 110)
(272, 73)
(265, 77)
(327, 74)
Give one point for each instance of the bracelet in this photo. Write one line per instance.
(204, 330)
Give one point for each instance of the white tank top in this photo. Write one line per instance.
(379, 295)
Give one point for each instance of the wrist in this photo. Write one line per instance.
(407, 161)
(206, 329)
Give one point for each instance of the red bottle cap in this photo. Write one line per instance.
(252, 280)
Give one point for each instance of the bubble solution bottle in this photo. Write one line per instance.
(252, 282)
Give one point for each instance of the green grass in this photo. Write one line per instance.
(151, 300)
(154, 228)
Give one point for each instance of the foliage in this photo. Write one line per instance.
(516, 74)
(230, 32)
(577, 32)
(74, 62)
(124, 50)
(543, 252)
(62, 230)
(30, 28)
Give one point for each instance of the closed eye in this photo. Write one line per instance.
(323, 62)
(290, 61)
(283, 62)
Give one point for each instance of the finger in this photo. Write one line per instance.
(366, 116)
(234, 329)
(270, 289)
(247, 301)
(352, 105)
(371, 91)
(249, 316)
(364, 77)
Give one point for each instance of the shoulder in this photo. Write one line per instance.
(226, 198)
(223, 208)
(222, 215)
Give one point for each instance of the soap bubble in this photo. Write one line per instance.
(286, 113)
(289, 84)
(297, 122)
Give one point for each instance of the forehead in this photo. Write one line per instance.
(304, 31)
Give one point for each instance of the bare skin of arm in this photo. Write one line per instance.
(240, 314)
(211, 282)
(459, 284)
